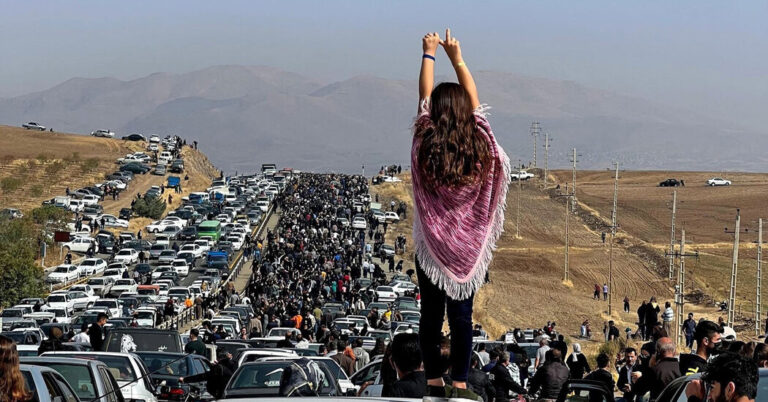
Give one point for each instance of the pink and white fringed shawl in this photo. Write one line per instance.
(455, 229)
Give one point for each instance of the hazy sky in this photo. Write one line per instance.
(710, 56)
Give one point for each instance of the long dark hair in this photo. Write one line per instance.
(12, 386)
(452, 152)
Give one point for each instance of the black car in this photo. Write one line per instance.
(95, 190)
(166, 368)
(138, 245)
(126, 213)
(135, 137)
(669, 183)
(262, 379)
(227, 247)
(143, 269)
(146, 340)
(135, 167)
(177, 166)
(188, 233)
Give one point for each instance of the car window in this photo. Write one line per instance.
(79, 378)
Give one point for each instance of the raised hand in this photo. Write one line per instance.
(429, 43)
(451, 46)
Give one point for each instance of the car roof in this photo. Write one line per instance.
(64, 360)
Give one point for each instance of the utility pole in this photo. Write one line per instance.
(573, 180)
(672, 237)
(734, 270)
(566, 272)
(613, 232)
(546, 159)
(535, 130)
(758, 299)
(519, 190)
(680, 287)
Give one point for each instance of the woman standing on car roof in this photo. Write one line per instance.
(460, 179)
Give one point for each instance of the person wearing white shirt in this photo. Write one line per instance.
(82, 336)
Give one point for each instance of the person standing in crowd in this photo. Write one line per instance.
(551, 377)
(729, 378)
(689, 329)
(577, 363)
(626, 304)
(478, 381)
(82, 336)
(651, 316)
(12, 387)
(708, 336)
(195, 345)
(605, 291)
(361, 356)
(625, 383)
(216, 379)
(464, 189)
(602, 374)
(667, 367)
(541, 353)
(96, 332)
(667, 317)
(502, 380)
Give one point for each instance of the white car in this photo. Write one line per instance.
(359, 222)
(176, 220)
(193, 248)
(85, 288)
(79, 245)
(391, 217)
(62, 314)
(81, 300)
(111, 304)
(237, 242)
(90, 199)
(521, 175)
(401, 287)
(180, 266)
(127, 256)
(113, 273)
(154, 138)
(92, 266)
(103, 133)
(263, 205)
(112, 221)
(343, 222)
(33, 126)
(153, 147)
(60, 300)
(379, 216)
(159, 226)
(204, 245)
(64, 274)
(159, 270)
(717, 181)
(123, 286)
(130, 373)
(118, 184)
(385, 294)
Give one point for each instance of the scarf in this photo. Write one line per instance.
(455, 229)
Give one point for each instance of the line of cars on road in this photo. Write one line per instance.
(715, 181)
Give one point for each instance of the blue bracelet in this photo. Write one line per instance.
(426, 56)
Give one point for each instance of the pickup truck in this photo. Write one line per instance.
(521, 175)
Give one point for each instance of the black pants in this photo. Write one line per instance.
(433, 307)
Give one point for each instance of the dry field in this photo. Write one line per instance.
(527, 289)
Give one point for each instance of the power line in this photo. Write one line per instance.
(573, 179)
(535, 131)
(566, 272)
(546, 158)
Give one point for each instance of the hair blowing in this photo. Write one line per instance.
(452, 153)
(12, 386)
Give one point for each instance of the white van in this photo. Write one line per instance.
(164, 158)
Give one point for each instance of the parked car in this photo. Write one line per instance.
(670, 183)
(160, 170)
(126, 214)
(113, 222)
(166, 368)
(127, 256)
(33, 126)
(134, 137)
(79, 245)
(718, 181)
(135, 167)
(64, 274)
(100, 286)
(385, 294)
(262, 379)
(91, 378)
(92, 266)
(126, 368)
(46, 384)
(11, 213)
(103, 133)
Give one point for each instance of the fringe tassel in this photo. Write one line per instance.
(436, 272)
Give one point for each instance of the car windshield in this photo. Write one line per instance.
(12, 313)
(56, 299)
(79, 377)
(125, 252)
(168, 253)
(62, 269)
(88, 262)
(96, 281)
(124, 282)
(384, 288)
(165, 364)
(105, 303)
(261, 375)
(119, 366)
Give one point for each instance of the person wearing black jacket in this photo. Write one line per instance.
(216, 379)
(502, 381)
(577, 363)
(667, 367)
(551, 377)
(601, 375)
(631, 365)
(96, 332)
(478, 381)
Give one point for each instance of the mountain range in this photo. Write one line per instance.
(243, 116)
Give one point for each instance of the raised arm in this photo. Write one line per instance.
(427, 75)
(453, 50)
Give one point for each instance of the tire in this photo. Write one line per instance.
(712, 185)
